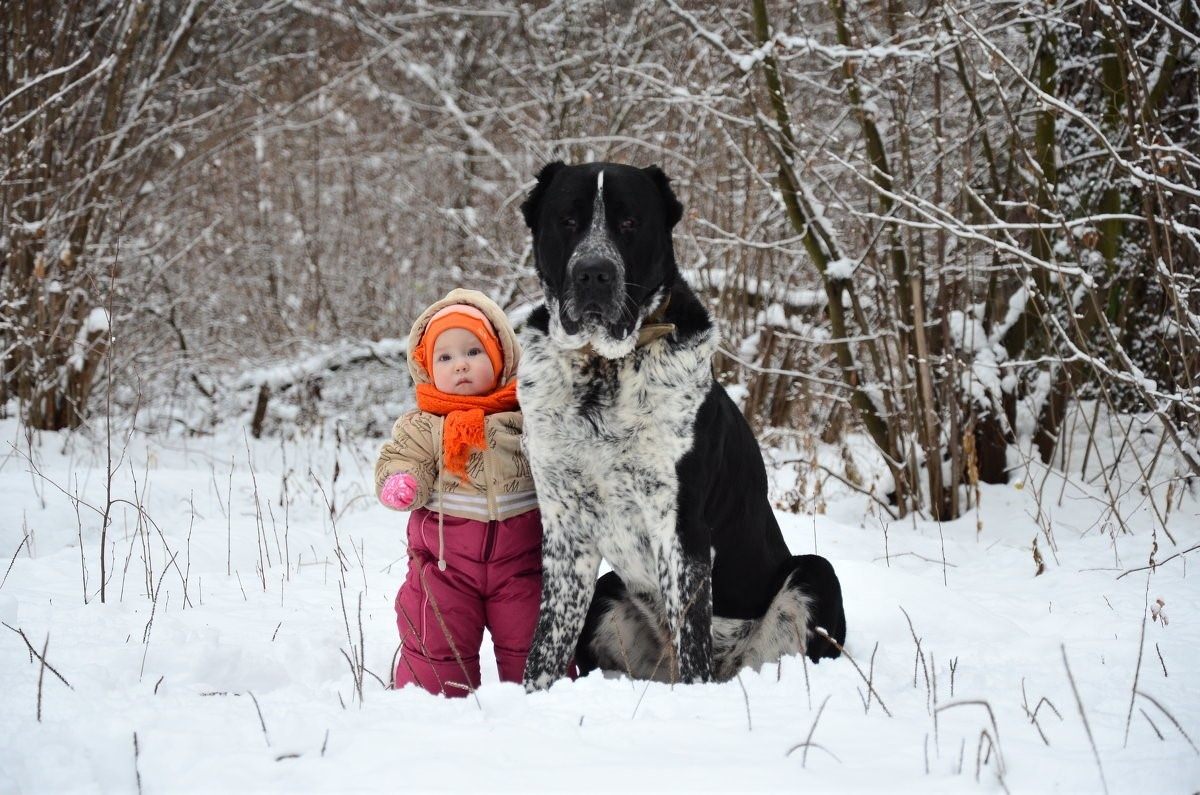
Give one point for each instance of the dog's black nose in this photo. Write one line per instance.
(595, 282)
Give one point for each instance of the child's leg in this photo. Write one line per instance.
(515, 588)
(440, 616)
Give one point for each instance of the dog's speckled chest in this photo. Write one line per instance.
(604, 437)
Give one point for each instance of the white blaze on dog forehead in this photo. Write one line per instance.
(598, 220)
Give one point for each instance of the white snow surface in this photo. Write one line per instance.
(189, 672)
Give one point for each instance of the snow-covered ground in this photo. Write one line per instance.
(223, 655)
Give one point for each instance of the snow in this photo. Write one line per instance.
(96, 321)
(748, 347)
(773, 316)
(94, 324)
(841, 268)
(189, 672)
(797, 299)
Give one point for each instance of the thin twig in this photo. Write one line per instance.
(821, 631)
(808, 740)
(136, 771)
(1159, 563)
(261, 722)
(1152, 726)
(746, 698)
(1083, 716)
(24, 541)
(437, 614)
(41, 675)
(34, 652)
(1137, 669)
(1170, 717)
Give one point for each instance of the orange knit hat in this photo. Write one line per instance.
(469, 318)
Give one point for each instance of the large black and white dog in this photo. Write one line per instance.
(642, 459)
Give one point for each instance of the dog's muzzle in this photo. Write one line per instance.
(594, 283)
(594, 295)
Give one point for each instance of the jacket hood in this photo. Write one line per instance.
(495, 315)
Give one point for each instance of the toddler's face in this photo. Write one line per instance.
(460, 364)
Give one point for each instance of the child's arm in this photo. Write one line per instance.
(407, 465)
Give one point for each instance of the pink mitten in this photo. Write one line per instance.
(398, 491)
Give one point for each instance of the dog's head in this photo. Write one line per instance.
(602, 245)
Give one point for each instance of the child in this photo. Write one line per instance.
(474, 532)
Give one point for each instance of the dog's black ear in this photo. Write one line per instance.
(533, 202)
(674, 209)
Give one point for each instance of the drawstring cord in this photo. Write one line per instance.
(441, 564)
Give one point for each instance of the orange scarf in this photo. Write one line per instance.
(462, 431)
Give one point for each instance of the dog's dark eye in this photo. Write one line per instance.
(628, 224)
(570, 224)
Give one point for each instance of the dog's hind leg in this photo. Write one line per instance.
(814, 576)
(625, 633)
(807, 595)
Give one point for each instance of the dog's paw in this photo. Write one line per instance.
(539, 682)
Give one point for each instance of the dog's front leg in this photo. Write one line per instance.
(688, 597)
(568, 581)
(695, 636)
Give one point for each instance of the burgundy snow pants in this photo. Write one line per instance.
(493, 579)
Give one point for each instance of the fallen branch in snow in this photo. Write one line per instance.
(282, 377)
(312, 368)
(824, 634)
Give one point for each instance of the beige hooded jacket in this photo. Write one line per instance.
(500, 483)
